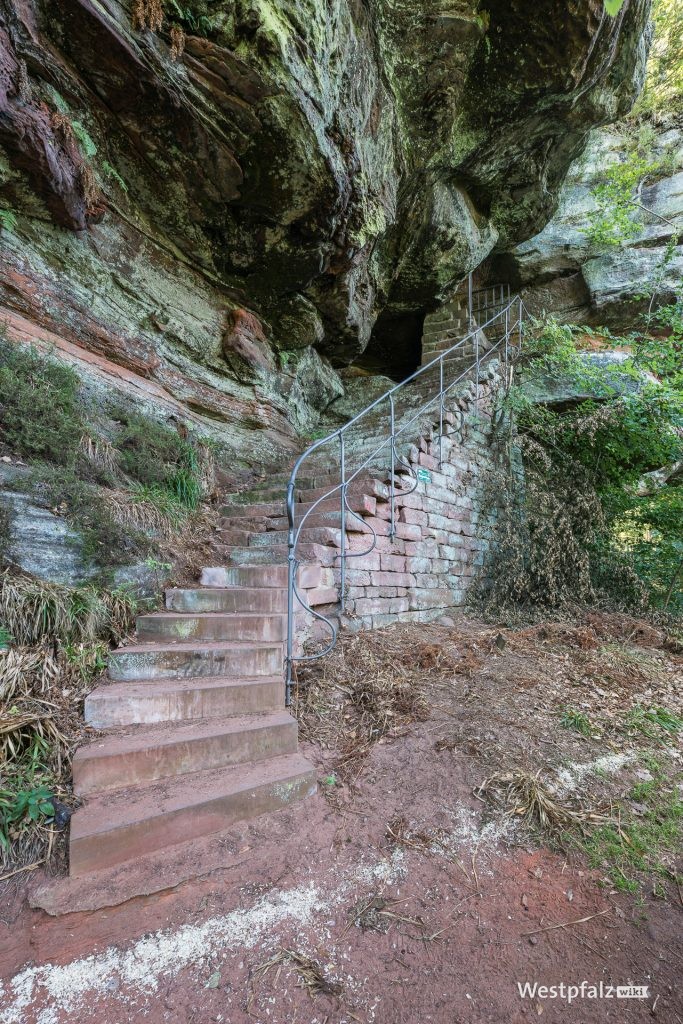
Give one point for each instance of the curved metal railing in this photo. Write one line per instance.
(506, 317)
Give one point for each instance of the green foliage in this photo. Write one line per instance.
(110, 171)
(584, 527)
(85, 142)
(644, 845)
(613, 7)
(5, 531)
(570, 718)
(40, 414)
(21, 807)
(157, 457)
(8, 220)
(614, 219)
(663, 91)
(99, 483)
(106, 540)
(642, 720)
(193, 17)
(662, 355)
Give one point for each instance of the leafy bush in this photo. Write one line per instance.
(587, 524)
(40, 412)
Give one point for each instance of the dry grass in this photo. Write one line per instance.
(100, 454)
(135, 511)
(310, 973)
(524, 796)
(60, 637)
(147, 14)
(34, 611)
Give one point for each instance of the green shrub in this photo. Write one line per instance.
(587, 525)
(40, 411)
(156, 456)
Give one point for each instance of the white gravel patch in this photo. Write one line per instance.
(569, 779)
(141, 967)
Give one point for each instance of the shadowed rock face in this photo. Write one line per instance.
(232, 223)
(560, 270)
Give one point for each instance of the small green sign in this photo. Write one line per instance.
(423, 475)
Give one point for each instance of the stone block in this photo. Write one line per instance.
(418, 564)
(392, 563)
(432, 598)
(415, 516)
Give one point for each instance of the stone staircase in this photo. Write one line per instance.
(196, 736)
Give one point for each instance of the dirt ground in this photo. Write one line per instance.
(403, 893)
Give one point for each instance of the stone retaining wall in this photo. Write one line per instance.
(442, 531)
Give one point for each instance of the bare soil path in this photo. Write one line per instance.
(398, 895)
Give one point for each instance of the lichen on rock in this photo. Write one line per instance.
(319, 166)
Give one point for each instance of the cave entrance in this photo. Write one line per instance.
(395, 346)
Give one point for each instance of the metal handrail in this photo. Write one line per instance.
(501, 317)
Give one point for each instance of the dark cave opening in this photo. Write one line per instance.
(395, 346)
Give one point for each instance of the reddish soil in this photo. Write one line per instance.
(453, 929)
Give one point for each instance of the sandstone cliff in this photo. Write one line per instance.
(213, 213)
(562, 271)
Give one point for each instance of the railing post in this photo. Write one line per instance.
(342, 556)
(507, 336)
(519, 324)
(392, 485)
(470, 309)
(440, 412)
(291, 572)
(476, 360)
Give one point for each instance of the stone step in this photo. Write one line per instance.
(319, 535)
(184, 660)
(252, 576)
(231, 512)
(145, 755)
(274, 490)
(244, 516)
(119, 826)
(236, 599)
(268, 576)
(276, 554)
(211, 626)
(179, 700)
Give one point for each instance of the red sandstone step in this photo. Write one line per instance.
(180, 700)
(263, 508)
(183, 660)
(125, 760)
(210, 626)
(323, 535)
(124, 824)
(237, 599)
(270, 554)
(253, 576)
(267, 576)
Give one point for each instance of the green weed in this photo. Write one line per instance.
(570, 718)
(642, 720)
(40, 411)
(644, 845)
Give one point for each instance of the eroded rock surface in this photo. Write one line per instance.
(231, 222)
(560, 270)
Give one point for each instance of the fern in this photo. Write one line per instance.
(110, 171)
(8, 220)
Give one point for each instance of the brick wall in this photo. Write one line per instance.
(442, 531)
